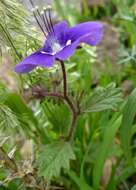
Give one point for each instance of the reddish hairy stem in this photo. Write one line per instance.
(74, 109)
(69, 102)
(74, 117)
(73, 126)
(40, 93)
(64, 78)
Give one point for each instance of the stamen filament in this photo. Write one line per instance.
(51, 21)
(45, 23)
(40, 25)
(36, 17)
(47, 20)
(32, 3)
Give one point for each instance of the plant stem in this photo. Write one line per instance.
(40, 93)
(64, 78)
(73, 108)
(73, 126)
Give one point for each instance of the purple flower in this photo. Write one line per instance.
(61, 41)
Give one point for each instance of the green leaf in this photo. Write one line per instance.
(103, 99)
(134, 187)
(23, 114)
(7, 117)
(104, 148)
(53, 111)
(3, 188)
(79, 182)
(17, 104)
(53, 158)
(129, 112)
(126, 173)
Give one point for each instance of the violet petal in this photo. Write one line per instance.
(92, 30)
(69, 50)
(34, 60)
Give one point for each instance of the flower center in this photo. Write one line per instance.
(56, 47)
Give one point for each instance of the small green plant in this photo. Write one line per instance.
(71, 126)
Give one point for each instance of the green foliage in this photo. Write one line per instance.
(134, 187)
(11, 16)
(53, 158)
(80, 182)
(7, 117)
(103, 99)
(109, 135)
(102, 154)
(15, 30)
(53, 112)
(129, 112)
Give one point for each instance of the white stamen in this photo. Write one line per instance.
(48, 53)
(34, 8)
(43, 52)
(68, 43)
(47, 7)
(42, 13)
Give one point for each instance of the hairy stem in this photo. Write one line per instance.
(73, 126)
(64, 78)
(73, 108)
(40, 93)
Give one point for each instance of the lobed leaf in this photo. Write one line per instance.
(103, 99)
(53, 158)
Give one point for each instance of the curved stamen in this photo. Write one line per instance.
(50, 19)
(39, 24)
(32, 3)
(47, 19)
(38, 18)
(49, 25)
(45, 22)
(44, 18)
